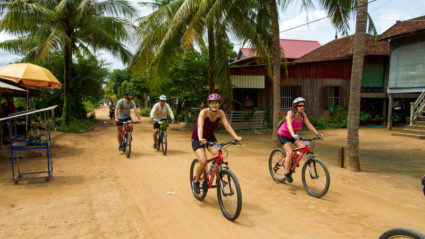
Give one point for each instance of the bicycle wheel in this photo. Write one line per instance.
(316, 179)
(276, 159)
(202, 181)
(401, 232)
(158, 140)
(128, 145)
(229, 195)
(124, 141)
(164, 143)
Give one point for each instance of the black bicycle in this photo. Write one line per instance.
(401, 232)
(161, 137)
(127, 137)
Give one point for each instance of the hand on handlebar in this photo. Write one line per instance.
(238, 138)
(202, 141)
(295, 136)
(320, 136)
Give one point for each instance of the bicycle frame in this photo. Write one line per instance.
(219, 160)
(126, 128)
(304, 150)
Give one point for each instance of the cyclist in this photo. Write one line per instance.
(207, 122)
(288, 132)
(158, 113)
(122, 113)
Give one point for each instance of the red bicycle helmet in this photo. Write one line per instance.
(214, 97)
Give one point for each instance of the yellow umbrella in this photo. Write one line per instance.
(29, 75)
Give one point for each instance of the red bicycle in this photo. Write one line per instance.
(228, 189)
(316, 179)
(126, 137)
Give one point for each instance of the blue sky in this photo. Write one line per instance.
(385, 13)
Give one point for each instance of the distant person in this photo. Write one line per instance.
(159, 113)
(423, 182)
(8, 107)
(205, 126)
(288, 132)
(122, 113)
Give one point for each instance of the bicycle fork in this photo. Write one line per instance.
(313, 173)
(223, 183)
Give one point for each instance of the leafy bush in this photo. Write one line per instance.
(365, 117)
(330, 123)
(76, 126)
(145, 112)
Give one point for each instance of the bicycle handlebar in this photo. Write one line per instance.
(310, 139)
(233, 142)
(130, 122)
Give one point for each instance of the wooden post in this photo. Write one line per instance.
(390, 112)
(341, 157)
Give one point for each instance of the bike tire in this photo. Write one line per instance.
(128, 145)
(401, 232)
(313, 174)
(124, 142)
(202, 181)
(164, 143)
(225, 182)
(158, 140)
(275, 157)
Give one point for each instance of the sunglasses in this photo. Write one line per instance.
(300, 105)
(214, 103)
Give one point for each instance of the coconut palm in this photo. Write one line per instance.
(44, 26)
(353, 162)
(181, 24)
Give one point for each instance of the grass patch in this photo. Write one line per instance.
(76, 126)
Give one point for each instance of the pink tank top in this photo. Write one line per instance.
(296, 126)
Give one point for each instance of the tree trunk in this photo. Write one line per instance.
(211, 58)
(66, 113)
(353, 162)
(276, 60)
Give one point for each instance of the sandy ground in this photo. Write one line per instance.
(98, 193)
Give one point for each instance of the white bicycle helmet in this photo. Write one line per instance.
(163, 97)
(298, 100)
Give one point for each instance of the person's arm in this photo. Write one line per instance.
(289, 117)
(152, 111)
(170, 112)
(201, 119)
(117, 107)
(136, 111)
(227, 126)
(309, 125)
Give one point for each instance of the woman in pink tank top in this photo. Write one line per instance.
(288, 132)
(208, 120)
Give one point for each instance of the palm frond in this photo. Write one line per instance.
(116, 8)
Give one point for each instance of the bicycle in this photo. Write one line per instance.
(126, 137)
(226, 182)
(161, 137)
(316, 182)
(401, 232)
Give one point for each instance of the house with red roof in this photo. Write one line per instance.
(406, 85)
(321, 74)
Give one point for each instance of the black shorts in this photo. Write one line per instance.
(196, 144)
(156, 124)
(284, 140)
(119, 123)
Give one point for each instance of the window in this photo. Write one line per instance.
(334, 96)
(286, 97)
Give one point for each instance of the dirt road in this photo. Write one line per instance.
(98, 193)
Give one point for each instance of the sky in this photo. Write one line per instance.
(384, 13)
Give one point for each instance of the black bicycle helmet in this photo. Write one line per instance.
(128, 93)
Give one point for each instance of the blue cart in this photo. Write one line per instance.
(24, 142)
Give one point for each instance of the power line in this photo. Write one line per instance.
(303, 24)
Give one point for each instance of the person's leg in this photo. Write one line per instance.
(155, 133)
(202, 157)
(119, 130)
(288, 150)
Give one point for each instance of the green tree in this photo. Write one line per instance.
(44, 26)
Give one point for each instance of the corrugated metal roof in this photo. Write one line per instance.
(404, 90)
(402, 28)
(247, 81)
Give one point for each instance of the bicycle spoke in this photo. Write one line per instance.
(315, 177)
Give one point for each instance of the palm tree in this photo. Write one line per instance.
(44, 26)
(353, 162)
(181, 24)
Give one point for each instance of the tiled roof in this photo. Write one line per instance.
(343, 49)
(404, 28)
(293, 49)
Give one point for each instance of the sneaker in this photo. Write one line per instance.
(288, 177)
(120, 148)
(195, 187)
